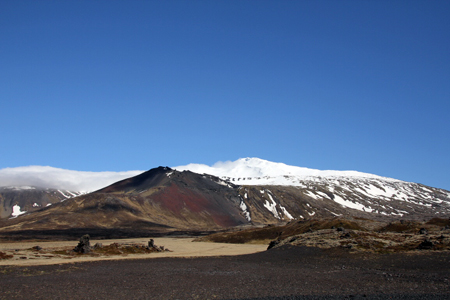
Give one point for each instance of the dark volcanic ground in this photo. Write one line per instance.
(284, 273)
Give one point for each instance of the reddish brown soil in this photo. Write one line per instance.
(288, 272)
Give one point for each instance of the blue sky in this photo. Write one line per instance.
(131, 85)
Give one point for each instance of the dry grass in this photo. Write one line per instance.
(439, 222)
(271, 232)
(5, 256)
(61, 252)
(378, 242)
(354, 234)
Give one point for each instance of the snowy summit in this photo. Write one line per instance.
(256, 171)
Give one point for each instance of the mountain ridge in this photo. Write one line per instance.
(164, 200)
(298, 194)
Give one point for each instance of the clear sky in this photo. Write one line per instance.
(131, 85)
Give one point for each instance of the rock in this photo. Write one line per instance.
(98, 246)
(152, 246)
(346, 235)
(273, 244)
(293, 239)
(37, 248)
(423, 231)
(426, 245)
(84, 246)
(340, 229)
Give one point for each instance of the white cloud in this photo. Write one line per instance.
(56, 178)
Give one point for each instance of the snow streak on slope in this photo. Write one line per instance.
(16, 211)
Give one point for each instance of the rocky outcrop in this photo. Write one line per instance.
(84, 246)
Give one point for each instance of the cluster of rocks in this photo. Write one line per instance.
(152, 246)
(84, 246)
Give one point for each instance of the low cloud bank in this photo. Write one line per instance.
(49, 177)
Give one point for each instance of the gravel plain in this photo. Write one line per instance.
(288, 272)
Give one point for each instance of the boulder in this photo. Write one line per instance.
(84, 246)
(423, 231)
(273, 244)
(426, 245)
(346, 235)
(98, 246)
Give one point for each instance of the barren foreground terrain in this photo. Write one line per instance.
(286, 272)
(25, 253)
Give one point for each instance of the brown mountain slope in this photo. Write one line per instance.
(160, 199)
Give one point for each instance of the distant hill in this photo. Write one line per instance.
(17, 200)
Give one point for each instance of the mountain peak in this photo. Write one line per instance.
(143, 181)
(258, 171)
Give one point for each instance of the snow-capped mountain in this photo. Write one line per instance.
(165, 199)
(269, 191)
(256, 171)
(345, 191)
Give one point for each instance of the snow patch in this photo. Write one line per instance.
(286, 213)
(312, 195)
(333, 213)
(271, 206)
(16, 211)
(245, 211)
(62, 193)
(349, 204)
